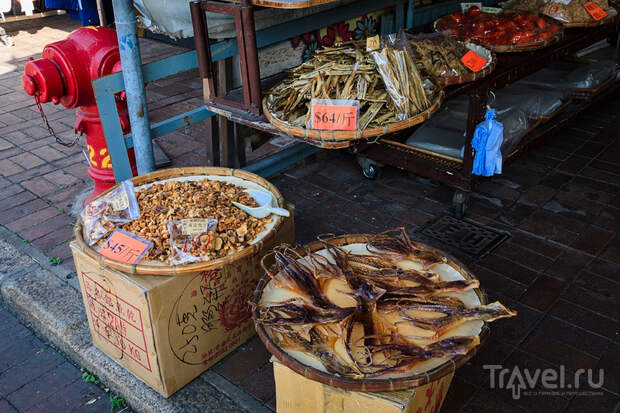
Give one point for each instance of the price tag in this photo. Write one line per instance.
(335, 114)
(124, 247)
(492, 10)
(372, 43)
(195, 226)
(467, 6)
(473, 61)
(595, 11)
(120, 202)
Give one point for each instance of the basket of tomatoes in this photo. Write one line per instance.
(502, 32)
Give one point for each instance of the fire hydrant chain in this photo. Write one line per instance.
(59, 140)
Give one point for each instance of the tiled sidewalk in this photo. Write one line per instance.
(34, 377)
(39, 179)
(559, 269)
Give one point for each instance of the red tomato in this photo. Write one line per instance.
(541, 23)
(526, 24)
(457, 17)
(553, 28)
(545, 35)
(473, 11)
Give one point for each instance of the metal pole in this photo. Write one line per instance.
(410, 8)
(134, 84)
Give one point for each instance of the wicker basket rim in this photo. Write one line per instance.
(345, 137)
(348, 383)
(165, 174)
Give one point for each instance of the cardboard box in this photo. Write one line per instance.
(297, 394)
(168, 330)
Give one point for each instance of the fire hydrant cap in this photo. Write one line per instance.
(42, 77)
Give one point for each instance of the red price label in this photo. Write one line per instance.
(595, 11)
(334, 117)
(125, 247)
(473, 61)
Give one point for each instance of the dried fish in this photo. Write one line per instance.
(348, 71)
(366, 313)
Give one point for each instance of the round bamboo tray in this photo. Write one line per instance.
(471, 76)
(162, 269)
(514, 48)
(612, 16)
(374, 385)
(332, 139)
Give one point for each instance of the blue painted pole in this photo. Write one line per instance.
(134, 84)
(410, 8)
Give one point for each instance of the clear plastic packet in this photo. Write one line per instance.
(550, 99)
(192, 239)
(403, 82)
(438, 54)
(517, 97)
(591, 75)
(439, 140)
(115, 208)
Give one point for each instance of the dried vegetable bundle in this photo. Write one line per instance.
(379, 310)
(386, 83)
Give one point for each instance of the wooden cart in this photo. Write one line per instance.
(511, 67)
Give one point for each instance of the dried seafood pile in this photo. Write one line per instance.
(348, 71)
(209, 199)
(571, 12)
(439, 55)
(369, 313)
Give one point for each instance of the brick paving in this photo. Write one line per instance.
(34, 377)
(559, 269)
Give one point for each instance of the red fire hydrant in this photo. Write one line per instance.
(63, 75)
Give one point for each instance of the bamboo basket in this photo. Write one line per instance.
(367, 385)
(157, 268)
(470, 77)
(515, 48)
(612, 16)
(342, 139)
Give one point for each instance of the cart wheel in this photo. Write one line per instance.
(370, 172)
(459, 204)
(370, 168)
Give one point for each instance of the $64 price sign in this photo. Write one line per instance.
(335, 114)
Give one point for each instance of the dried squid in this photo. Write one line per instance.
(380, 309)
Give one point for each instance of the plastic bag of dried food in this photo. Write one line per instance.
(571, 11)
(400, 75)
(438, 54)
(113, 209)
(591, 75)
(514, 120)
(192, 239)
(515, 97)
(550, 99)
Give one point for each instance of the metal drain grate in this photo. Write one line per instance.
(465, 235)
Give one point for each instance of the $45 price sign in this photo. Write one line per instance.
(125, 247)
(335, 114)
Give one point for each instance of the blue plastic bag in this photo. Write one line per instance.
(488, 138)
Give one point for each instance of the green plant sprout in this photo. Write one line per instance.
(116, 402)
(55, 260)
